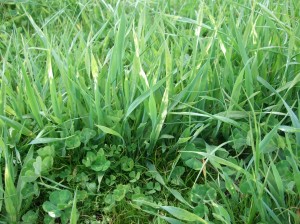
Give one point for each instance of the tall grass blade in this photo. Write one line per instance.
(143, 97)
(110, 131)
(16, 125)
(32, 99)
(291, 113)
(163, 111)
(115, 66)
(11, 199)
(74, 211)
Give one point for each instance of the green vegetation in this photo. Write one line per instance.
(143, 111)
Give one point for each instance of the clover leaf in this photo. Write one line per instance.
(96, 162)
(127, 164)
(28, 171)
(61, 198)
(191, 159)
(135, 176)
(221, 213)
(239, 139)
(86, 135)
(120, 192)
(29, 176)
(30, 217)
(153, 187)
(91, 186)
(111, 180)
(47, 164)
(245, 187)
(176, 174)
(38, 166)
(194, 163)
(199, 192)
(51, 209)
(29, 190)
(59, 204)
(73, 142)
(201, 210)
(46, 151)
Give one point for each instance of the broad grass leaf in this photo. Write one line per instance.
(236, 91)
(74, 212)
(115, 66)
(16, 125)
(288, 129)
(183, 214)
(263, 144)
(221, 213)
(163, 110)
(110, 131)
(45, 140)
(194, 163)
(170, 220)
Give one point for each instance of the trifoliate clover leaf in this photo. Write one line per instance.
(127, 164)
(73, 142)
(46, 151)
(86, 135)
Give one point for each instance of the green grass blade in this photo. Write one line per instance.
(46, 140)
(268, 138)
(245, 58)
(163, 111)
(291, 113)
(31, 98)
(143, 97)
(115, 66)
(74, 211)
(53, 91)
(160, 179)
(110, 131)
(11, 199)
(183, 214)
(16, 125)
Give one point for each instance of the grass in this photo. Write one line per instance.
(149, 111)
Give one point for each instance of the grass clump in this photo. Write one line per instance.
(149, 111)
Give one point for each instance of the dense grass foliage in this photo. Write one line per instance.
(143, 111)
